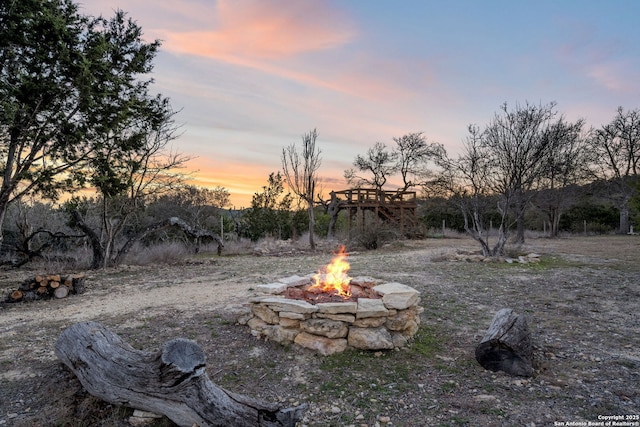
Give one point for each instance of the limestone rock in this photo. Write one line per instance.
(257, 324)
(368, 307)
(399, 340)
(289, 323)
(272, 288)
(370, 338)
(348, 318)
(292, 305)
(265, 313)
(322, 345)
(295, 280)
(370, 322)
(325, 327)
(293, 316)
(337, 307)
(365, 281)
(400, 321)
(279, 334)
(397, 295)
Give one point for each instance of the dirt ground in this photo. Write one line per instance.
(582, 302)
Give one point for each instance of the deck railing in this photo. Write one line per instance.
(358, 196)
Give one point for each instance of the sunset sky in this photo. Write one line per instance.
(252, 76)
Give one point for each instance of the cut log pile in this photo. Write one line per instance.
(46, 287)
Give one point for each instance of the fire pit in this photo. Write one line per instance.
(329, 311)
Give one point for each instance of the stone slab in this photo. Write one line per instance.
(365, 281)
(291, 305)
(292, 316)
(295, 280)
(397, 296)
(349, 318)
(350, 307)
(369, 307)
(272, 288)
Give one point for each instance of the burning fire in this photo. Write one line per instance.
(334, 278)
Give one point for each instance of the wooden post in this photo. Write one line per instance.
(170, 382)
(507, 345)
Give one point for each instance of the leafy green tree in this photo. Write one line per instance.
(270, 212)
(68, 84)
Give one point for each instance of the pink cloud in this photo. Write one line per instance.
(264, 30)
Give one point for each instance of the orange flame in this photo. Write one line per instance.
(334, 278)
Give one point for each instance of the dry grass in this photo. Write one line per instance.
(582, 300)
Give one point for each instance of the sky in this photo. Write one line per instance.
(250, 77)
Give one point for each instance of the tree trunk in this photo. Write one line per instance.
(624, 218)
(312, 225)
(171, 382)
(507, 345)
(333, 210)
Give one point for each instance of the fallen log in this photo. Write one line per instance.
(507, 345)
(171, 382)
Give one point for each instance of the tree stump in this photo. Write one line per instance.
(507, 345)
(171, 382)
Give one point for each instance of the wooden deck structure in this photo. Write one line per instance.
(395, 207)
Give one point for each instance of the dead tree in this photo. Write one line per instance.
(507, 345)
(171, 382)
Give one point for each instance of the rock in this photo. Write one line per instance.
(265, 313)
(257, 324)
(348, 318)
(401, 320)
(325, 327)
(399, 340)
(280, 334)
(291, 315)
(370, 338)
(368, 307)
(294, 306)
(289, 323)
(364, 281)
(337, 307)
(370, 322)
(397, 295)
(272, 288)
(322, 345)
(295, 280)
(244, 317)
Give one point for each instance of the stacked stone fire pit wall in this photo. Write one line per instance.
(383, 323)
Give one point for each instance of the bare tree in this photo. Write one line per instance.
(617, 148)
(517, 145)
(413, 153)
(379, 162)
(566, 167)
(300, 171)
(469, 183)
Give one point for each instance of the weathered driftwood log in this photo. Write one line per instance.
(171, 382)
(507, 345)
